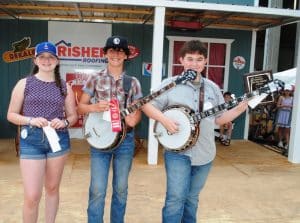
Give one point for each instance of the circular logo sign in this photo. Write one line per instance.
(239, 62)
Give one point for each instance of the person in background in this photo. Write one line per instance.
(187, 171)
(284, 116)
(40, 100)
(226, 129)
(103, 86)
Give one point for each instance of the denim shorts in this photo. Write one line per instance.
(34, 143)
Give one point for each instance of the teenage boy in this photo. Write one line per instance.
(104, 86)
(187, 171)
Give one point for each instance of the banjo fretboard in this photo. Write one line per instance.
(269, 88)
(145, 100)
(188, 75)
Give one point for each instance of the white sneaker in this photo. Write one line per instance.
(286, 146)
(280, 144)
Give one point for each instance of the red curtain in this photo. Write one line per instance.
(177, 69)
(217, 52)
(216, 62)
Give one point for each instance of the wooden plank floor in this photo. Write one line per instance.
(248, 184)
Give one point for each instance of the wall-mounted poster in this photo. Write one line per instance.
(80, 55)
(77, 81)
(147, 69)
(256, 80)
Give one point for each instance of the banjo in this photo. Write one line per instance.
(189, 121)
(98, 131)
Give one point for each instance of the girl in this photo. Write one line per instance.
(40, 100)
(284, 116)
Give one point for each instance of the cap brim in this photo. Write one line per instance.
(126, 50)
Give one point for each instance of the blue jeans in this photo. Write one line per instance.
(184, 183)
(121, 158)
(35, 145)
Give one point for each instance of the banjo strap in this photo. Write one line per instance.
(201, 96)
(126, 87)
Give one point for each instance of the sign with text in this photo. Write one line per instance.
(256, 80)
(21, 50)
(80, 54)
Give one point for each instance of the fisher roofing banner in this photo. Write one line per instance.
(79, 47)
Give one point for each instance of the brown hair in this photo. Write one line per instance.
(193, 46)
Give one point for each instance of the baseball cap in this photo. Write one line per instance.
(117, 42)
(45, 47)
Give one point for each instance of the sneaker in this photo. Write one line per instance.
(286, 146)
(280, 144)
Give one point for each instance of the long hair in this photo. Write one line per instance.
(58, 83)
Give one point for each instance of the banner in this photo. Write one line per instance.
(79, 47)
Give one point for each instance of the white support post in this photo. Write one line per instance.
(294, 149)
(156, 77)
(252, 59)
(297, 37)
(272, 40)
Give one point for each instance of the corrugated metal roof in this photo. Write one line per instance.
(208, 15)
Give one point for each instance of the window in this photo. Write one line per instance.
(217, 68)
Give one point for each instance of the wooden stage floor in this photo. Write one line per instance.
(248, 184)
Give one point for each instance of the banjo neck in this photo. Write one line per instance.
(232, 103)
(186, 76)
(132, 108)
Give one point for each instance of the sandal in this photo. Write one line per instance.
(225, 142)
(221, 139)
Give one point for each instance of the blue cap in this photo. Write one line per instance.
(45, 47)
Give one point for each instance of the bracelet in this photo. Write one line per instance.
(67, 123)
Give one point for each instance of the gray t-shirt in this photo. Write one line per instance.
(204, 151)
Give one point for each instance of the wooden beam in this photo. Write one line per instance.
(72, 8)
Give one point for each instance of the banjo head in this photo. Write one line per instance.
(179, 140)
(98, 132)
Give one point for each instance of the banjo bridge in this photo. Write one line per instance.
(96, 132)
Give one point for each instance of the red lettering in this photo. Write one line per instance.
(61, 50)
(95, 52)
(32, 51)
(76, 51)
(69, 51)
(101, 52)
(11, 56)
(24, 54)
(85, 52)
(17, 55)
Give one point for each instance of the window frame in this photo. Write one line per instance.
(209, 41)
